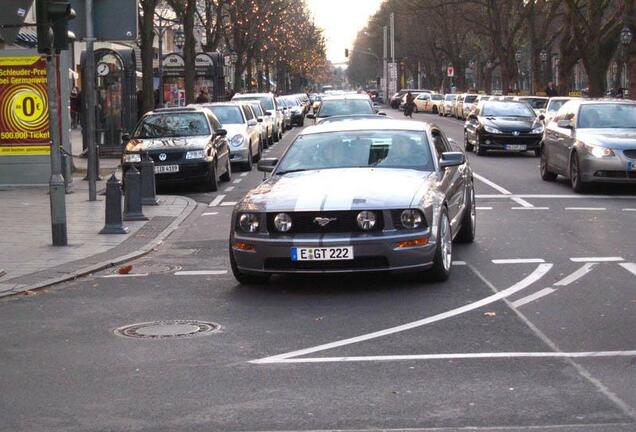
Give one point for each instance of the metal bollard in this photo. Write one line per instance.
(148, 188)
(132, 196)
(114, 224)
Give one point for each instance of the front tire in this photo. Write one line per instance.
(443, 260)
(546, 174)
(478, 150)
(212, 184)
(578, 185)
(227, 175)
(467, 231)
(467, 145)
(247, 166)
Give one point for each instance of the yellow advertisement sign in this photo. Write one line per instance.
(24, 107)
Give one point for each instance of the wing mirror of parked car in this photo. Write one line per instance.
(221, 132)
(565, 124)
(451, 159)
(260, 120)
(311, 116)
(382, 113)
(541, 117)
(267, 164)
(268, 113)
(252, 122)
(125, 137)
(472, 117)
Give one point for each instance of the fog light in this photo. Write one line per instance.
(487, 142)
(422, 241)
(246, 247)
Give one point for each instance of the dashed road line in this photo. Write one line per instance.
(229, 189)
(459, 263)
(629, 209)
(112, 276)
(530, 208)
(630, 267)
(576, 275)
(596, 259)
(533, 277)
(532, 297)
(237, 181)
(228, 203)
(210, 214)
(245, 174)
(518, 261)
(503, 190)
(216, 201)
(483, 208)
(587, 208)
(557, 196)
(200, 272)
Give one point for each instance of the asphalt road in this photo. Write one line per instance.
(533, 332)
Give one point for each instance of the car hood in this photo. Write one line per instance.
(339, 189)
(147, 144)
(621, 139)
(509, 124)
(235, 129)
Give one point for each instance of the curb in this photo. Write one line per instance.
(189, 208)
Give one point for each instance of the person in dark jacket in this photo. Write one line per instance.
(551, 90)
(409, 106)
(203, 97)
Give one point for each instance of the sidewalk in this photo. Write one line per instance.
(106, 165)
(31, 262)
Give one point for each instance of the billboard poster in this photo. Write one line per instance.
(24, 108)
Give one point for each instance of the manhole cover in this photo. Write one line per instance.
(167, 329)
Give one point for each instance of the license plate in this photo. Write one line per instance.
(322, 254)
(516, 147)
(164, 169)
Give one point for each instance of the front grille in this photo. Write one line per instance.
(344, 222)
(170, 156)
(523, 140)
(616, 174)
(359, 263)
(630, 153)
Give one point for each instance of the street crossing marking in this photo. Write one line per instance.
(533, 277)
(629, 209)
(557, 196)
(503, 190)
(210, 214)
(112, 276)
(530, 208)
(483, 208)
(229, 189)
(597, 259)
(216, 201)
(459, 263)
(245, 174)
(587, 208)
(237, 181)
(200, 272)
(630, 267)
(518, 261)
(532, 297)
(228, 203)
(576, 275)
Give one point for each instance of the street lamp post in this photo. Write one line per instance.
(179, 39)
(543, 55)
(626, 39)
(518, 59)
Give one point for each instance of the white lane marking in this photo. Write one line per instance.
(630, 267)
(597, 259)
(576, 275)
(503, 190)
(461, 356)
(552, 196)
(587, 208)
(200, 272)
(125, 275)
(518, 261)
(210, 214)
(533, 277)
(245, 174)
(532, 297)
(629, 209)
(228, 203)
(237, 181)
(459, 263)
(229, 189)
(216, 201)
(483, 208)
(530, 208)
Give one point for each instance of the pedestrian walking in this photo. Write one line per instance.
(75, 107)
(409, 106)
(203, 97)
(551, 90)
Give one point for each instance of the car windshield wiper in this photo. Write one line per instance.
(293, 171)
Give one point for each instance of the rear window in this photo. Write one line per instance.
(344, 107)
(470, 99)
(227, 114)
(266, 101)
(172, 125)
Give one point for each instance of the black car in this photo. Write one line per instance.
(502, 125)
(187, 145)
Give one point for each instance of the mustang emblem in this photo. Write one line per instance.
(516, 133)
(163, 157)
(322, 221)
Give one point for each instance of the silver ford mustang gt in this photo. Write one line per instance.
(356, 196)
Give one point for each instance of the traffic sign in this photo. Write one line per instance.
(450, 71)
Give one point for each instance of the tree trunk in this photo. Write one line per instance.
(189, 50)
(268, 86)
(147, 37)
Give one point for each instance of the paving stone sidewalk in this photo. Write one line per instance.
(28, 257)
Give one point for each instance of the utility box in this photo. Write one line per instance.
(113, 20)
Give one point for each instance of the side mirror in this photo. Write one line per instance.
(267, 164)
(541, 117)
(382, 113)
(311, 116)
(472, 117)
(268, 113)
(252, 122)
(451, 159)
(221, 132)
(125, 137)
(260, 120)
(565, 124)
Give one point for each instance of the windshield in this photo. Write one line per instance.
(607, 116)
(172, 125)
(345, 107)
(257, 109)
(227, 114)
(436, 97)
(507, 109)
(556, 105)
(380, 148)
(536, 103)
(267, 101)
(450, 97)
(470, 99)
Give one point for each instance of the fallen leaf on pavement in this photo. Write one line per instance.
(490, 314)
(125, 269)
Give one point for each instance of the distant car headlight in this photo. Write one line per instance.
(237, 140)
(283, 222)
(366, 220)
(195, 154)
(538, 130)
(132, 158)
(491, 129)
(598, 151)
(248, 222)
(411, 218)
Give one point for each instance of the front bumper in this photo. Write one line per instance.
(490, 141)
(297, 118)
(190, 171)
(616, 169)
(240, 154)
(372, 253)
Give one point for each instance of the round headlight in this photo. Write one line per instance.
(249, 222)
(366, 220)
(283, 222)
(411, 218)
(237, 140)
